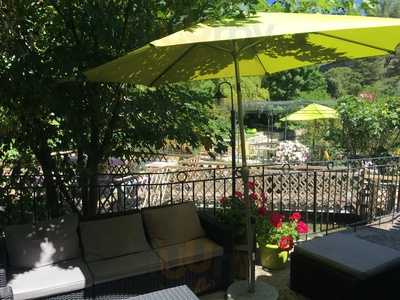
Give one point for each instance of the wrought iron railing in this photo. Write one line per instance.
(329, 194)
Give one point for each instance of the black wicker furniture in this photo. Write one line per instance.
(345, 266)
(118, 255)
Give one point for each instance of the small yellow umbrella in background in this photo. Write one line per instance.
(312, 112)
(260, 45)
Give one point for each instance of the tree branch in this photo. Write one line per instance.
(111, 125)
(126, 18)
(69, 22)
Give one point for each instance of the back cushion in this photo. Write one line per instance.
(113, 237)
(172, 225)
(33, 246)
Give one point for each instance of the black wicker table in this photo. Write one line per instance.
(347, 265)
(176, 293)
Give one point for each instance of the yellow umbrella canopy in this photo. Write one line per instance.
(264, 44)
(312, 112)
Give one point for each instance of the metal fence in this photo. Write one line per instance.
(329, 194)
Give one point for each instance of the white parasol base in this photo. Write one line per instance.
(240, 290)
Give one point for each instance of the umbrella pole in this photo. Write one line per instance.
(245, 176)
(313, 139)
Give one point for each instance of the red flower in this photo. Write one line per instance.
(302, 227)
(254, 196)
(276, 220)
(238, 195)
(262, 211)
(296, 216)
(286, 243)
(252, 185)
(223, 200)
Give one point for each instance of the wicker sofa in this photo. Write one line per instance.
(115, 256)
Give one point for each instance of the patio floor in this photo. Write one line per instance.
(280, 278)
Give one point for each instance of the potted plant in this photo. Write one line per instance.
(233, 211)
(276, 237)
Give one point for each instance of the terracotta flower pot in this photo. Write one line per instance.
(272, 257)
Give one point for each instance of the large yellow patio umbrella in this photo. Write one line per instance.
(261, 45)
(312, 112)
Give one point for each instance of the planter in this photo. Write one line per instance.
(239, 262)
(272, 257)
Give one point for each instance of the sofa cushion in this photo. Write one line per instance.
(31, 246)
(124, 266)
(172, 225)
(350, 254)
(189, 252)
(111, 237)
(54, 279)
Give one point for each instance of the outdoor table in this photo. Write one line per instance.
(128, 188)
(177, 293)
(161, 164)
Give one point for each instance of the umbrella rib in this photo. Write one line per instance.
(262, 65)
(355, 42)
(252, 44)
(169, 67)
(217, 48)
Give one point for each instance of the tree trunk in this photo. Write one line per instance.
(91, 203)
(47, 163)
(91, 172)
(89, 186)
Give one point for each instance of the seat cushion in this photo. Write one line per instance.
(124, 266)
(111, 237)
(54, 279)
(32, 246)
(350, 254)
(172, 225)
(189, 252)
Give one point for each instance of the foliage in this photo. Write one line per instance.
(386, 87)
(46, 43)
(325, 6)
(251, 90)
(234, 208)
(343, 81)
(288, 85)
(317, 94)
(387, 8)
(370, 128)
(274, 230)
(233, 215)
(270, 228)
(371, 69)
(318, 134)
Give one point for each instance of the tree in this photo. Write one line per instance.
(387, 8)
(46, 43)
(288, 85)
(325, 6)
(370, 128)
(343, 81)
